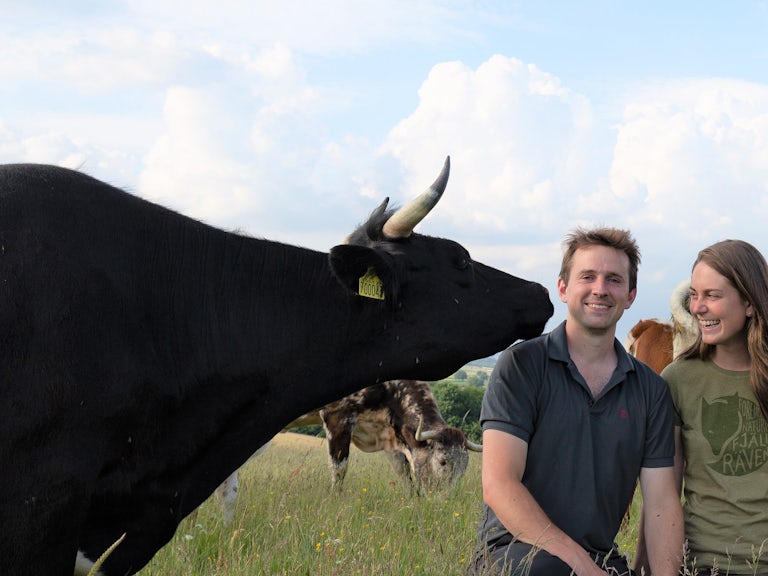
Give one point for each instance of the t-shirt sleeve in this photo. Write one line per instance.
(660, 435)
(509, 404)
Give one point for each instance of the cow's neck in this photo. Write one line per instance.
(218, 338)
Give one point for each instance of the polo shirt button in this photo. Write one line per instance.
(591, 402)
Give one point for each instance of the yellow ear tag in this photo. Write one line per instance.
(371, 286)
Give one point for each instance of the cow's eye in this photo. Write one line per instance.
(463, 263)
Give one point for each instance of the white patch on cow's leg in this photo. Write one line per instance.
(228, 491)
(227, 494)
(83, 565)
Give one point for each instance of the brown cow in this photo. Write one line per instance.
(651, 342)
(657, 342)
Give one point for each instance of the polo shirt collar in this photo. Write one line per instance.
(557, 347)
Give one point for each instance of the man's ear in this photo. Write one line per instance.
(354, 266)
(631, 298)
(562, 289)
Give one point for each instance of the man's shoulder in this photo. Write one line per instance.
(523, 348)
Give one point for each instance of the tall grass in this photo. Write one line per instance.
(290, 522)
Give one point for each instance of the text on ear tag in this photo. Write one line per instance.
(371, 286)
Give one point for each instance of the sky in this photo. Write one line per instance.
(293, 120)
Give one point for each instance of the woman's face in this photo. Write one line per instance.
(718, 307)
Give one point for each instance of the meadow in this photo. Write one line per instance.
(290, 522)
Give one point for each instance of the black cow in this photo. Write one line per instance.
(144, 355)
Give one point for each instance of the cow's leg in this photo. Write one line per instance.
(338, 431)
(39, 535)
(402, 468)
(226, 494)
(228, 491)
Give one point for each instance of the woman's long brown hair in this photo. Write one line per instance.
(746, 269)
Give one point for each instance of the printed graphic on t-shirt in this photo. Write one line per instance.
(736, 432)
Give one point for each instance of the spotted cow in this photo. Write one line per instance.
(399, 418)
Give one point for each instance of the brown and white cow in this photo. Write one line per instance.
(650, 340)
(398, 417)
(658, 342)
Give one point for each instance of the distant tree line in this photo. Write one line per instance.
(478, 379)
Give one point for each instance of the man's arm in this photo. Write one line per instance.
(662, 521)
(504, 457)
(641, 564)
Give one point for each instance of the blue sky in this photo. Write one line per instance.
(293, 120)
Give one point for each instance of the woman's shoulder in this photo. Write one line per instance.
(684, 368)
(685, 363)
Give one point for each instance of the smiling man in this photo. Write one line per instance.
(570, 421)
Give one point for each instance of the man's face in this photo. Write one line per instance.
(597, 291)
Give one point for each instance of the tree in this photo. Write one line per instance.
(461, 375)
(460, 406)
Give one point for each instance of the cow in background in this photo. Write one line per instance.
(145, 356)
(402, 419)
(651, 342)
(399, 418)
(658, 342)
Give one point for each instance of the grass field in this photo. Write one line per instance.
(289, 522)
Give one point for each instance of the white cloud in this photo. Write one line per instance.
(520, 142)
(329, 27)
(189, 167)
(91, 59)
(692, 156)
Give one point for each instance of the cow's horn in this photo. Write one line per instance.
(402, 222)
(473, 446)
(423, 436)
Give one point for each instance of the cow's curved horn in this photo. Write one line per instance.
(473, 446)
(423, 436)
(402, 222)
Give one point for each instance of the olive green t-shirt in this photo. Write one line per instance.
(725, 441)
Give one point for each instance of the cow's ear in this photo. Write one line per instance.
(362, 270)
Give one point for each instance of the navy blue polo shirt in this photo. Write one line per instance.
(584, 453)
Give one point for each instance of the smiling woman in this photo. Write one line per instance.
(720, 390)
